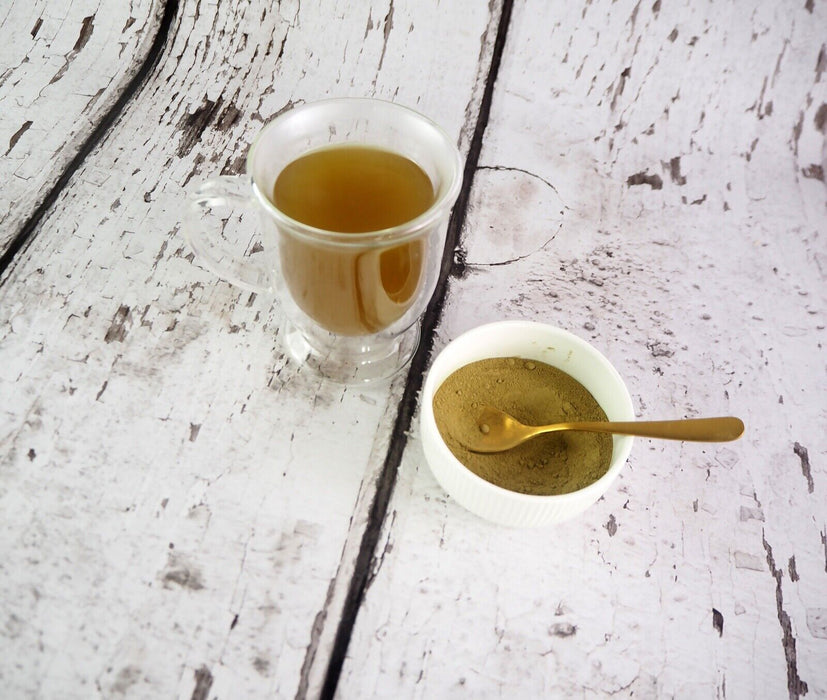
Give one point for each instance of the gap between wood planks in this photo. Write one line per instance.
(407, 406)
(26, 233)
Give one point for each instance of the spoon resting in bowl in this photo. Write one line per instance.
(498, 431)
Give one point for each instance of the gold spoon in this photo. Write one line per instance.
(499, 431)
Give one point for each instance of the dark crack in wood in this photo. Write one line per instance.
(386, 31)
(797, 127)
(26, 233)
(625, 74)
(117, 328)
(792, 570)
(15, 137)
(203, 683)
(824, 545)
(86, 28)
(795, 686)
(313, 647)
(674, 167)
(193, 125)
(718, 622)
(644, 178)
(820, 118)
(407, 406)
(804, 456)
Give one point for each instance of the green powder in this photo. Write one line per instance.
(535, 394)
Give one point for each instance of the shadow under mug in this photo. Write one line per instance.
(353, 301)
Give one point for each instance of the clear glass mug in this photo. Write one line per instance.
(353, 301)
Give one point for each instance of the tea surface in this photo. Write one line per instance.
(353, 189)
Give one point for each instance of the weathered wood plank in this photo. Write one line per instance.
(651, 181)
(177, 496)
(62, 67)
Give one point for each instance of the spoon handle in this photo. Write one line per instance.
(721, 429)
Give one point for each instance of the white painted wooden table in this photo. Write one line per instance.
(184, 513)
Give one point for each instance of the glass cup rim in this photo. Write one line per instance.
(401, 232)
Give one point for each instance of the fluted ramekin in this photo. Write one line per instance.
(532, 341)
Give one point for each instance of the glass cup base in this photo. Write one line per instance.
(351, 360)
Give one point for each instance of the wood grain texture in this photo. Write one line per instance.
(180, 502)
(650, 180)
(62, 67)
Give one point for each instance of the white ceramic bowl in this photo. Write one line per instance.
(531, 341)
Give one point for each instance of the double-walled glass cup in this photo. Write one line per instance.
(353, 301)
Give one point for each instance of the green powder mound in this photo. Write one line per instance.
(535, 394)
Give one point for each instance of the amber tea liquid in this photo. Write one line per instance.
(353, 189)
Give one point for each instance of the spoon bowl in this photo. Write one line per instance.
(499, 431)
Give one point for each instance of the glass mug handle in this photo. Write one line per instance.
(202, 229)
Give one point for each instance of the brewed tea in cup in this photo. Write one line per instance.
(354, 195)
(353, 189)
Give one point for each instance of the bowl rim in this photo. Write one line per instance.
(428, 422)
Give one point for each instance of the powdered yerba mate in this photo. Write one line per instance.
(535, 394)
